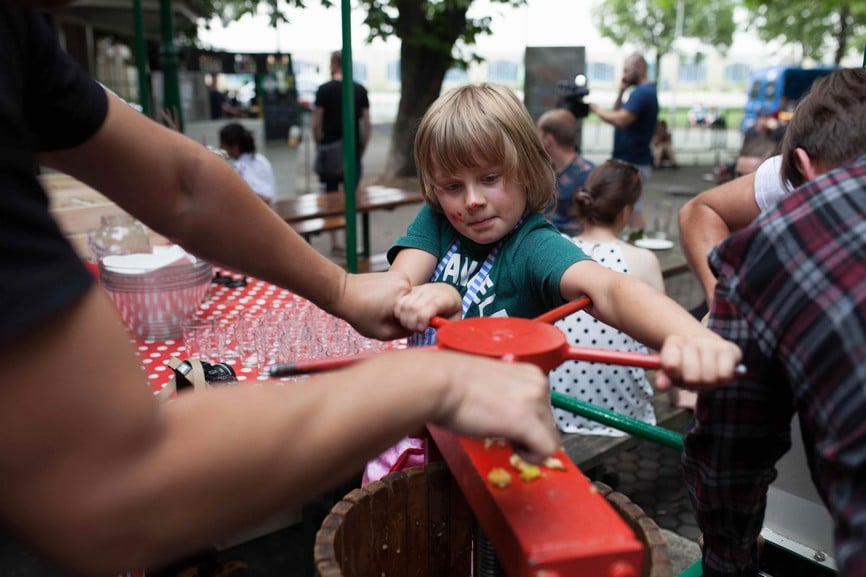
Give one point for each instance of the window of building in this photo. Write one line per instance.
(456, 75)
(692, 73)
(502, 71)
(359, 71)
(393, 71)
(301, 67)
(600, 72)
(737, 73)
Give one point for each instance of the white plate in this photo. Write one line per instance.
(139, 263)
(654, 243)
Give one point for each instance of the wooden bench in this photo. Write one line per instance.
(326, 207)
(589, 451)
(313, 226)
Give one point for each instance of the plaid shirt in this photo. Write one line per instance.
(792, 295)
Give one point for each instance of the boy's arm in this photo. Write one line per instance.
(692, 356)
(427, 299)
(416, 263)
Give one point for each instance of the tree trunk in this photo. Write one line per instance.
(842, 35)
(422, 72)
(423, 64)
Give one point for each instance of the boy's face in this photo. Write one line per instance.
(479, 204)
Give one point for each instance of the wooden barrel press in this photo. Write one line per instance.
(417, 522)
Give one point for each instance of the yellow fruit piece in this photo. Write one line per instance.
(554, 463)
(499, 477)
(528, 471)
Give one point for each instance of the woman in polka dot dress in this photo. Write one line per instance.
(603, 208)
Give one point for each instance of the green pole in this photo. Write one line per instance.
(658, 435)
(168, 53)
(350, 141)
(141, 58)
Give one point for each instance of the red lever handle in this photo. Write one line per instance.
(612, 357)
(563, 311)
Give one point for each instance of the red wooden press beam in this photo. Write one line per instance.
(555, 525)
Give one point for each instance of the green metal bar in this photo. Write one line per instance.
(693, 570)
(658, 435)
(350, 142)
(141, 58)
(168, 53)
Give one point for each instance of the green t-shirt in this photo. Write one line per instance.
(525, 278)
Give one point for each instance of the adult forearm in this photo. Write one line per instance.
(197, 200)
(229, 457)
(306, 438)
(701, 228)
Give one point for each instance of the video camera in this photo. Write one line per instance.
(570, 95)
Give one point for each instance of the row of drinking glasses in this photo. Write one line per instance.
(281, 332)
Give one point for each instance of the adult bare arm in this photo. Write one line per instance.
(366, 128)
(316, 124)
(181, 190)
(101, 477)
(619, 117)
(709, 218)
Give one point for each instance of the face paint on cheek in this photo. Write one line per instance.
(457, 216)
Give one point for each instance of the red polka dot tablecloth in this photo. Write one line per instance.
(305, 331)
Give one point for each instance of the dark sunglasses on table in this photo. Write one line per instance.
(214, 373)
(229, 281)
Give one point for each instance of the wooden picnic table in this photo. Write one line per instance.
(672, 260)
(327, 205)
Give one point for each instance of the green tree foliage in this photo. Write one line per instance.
(436, 35)
(821, 28)
(651, 25)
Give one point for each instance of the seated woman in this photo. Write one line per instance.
(603, 208)
(662, 147)
(254, 168)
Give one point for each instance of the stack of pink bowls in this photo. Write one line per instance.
(154, 302)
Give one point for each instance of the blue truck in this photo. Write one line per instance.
(771, 88)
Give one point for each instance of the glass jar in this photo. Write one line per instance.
(119, 234)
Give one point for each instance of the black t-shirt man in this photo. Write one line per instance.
(329, 98)
(47, 102)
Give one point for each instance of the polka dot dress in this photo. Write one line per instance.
(624, 390)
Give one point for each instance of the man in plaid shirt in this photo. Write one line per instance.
(792, 294)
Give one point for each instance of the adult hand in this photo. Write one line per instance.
(368, 302)
(425, 301)
(697, 362)
(490, 398)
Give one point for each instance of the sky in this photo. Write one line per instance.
(539, 23)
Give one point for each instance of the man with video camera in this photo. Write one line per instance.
(635, 119)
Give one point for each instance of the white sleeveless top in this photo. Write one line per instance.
(624, 390)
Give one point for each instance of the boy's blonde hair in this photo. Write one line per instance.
(484, 125)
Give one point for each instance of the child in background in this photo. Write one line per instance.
(604, 208)
(482, 247)
(254, 168)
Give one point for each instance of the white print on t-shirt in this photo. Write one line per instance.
(459, 271)
(457, 274)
